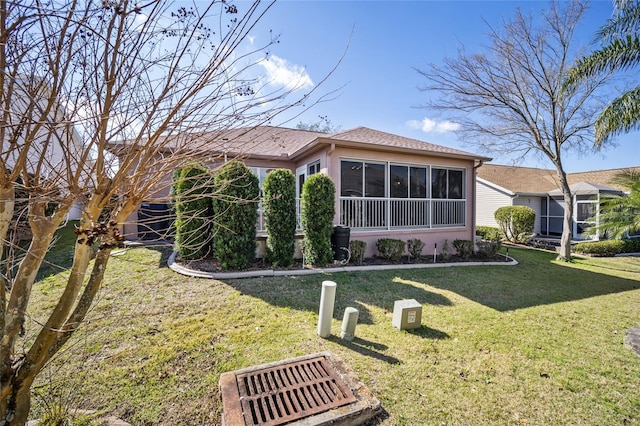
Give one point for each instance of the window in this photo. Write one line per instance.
(261, 173)
(351, 178)
(418, 176)
(399, 182)
(407, 182)
(374, 180)
(360, 179)
(447, 184)
(313, 168)
(384, 195)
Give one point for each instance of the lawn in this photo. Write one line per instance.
(539, 343)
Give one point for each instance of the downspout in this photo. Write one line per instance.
(336, 201)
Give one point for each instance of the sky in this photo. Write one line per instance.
(377, 47)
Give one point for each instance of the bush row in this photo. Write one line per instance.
(609, 247)
(216, 213)
(392, 249)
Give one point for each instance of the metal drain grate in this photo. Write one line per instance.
(284, 393)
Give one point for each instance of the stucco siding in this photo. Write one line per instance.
(488, 200)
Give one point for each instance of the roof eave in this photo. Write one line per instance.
(383, 148)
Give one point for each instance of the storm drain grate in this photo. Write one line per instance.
(280, 394)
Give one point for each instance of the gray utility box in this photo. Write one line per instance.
(407, 314)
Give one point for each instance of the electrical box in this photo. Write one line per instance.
(407, 314)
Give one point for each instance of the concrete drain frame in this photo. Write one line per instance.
(314, 389)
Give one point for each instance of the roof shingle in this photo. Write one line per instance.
(527, 180)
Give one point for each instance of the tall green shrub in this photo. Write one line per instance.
(191, 200)
(318, 194)
(516, 222)
(236, 214)
(279, 207)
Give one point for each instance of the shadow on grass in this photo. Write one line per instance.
(366, 348)
(428, 333)
(537, 280)
(358, 291)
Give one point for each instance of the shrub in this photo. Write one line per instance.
(279, 206)
(318, 194)
(390, 248)
(489, 233)
(414, 247)
(446, 250)
(609, 247)
(516, 222)
(191, 190)
(487, 249)
(464, 248)
(631, 245)
(358, 248)
(236, 214)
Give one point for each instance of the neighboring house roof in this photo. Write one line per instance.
(585, 188)
(528, 180)
(519, 180)
(278, 142)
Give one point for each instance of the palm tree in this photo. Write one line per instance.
(620, 52)
(620, 215)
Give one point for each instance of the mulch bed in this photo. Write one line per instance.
(212, 264)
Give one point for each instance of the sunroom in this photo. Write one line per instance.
(391, 195)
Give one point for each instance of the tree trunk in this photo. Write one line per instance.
(17, 402)
(567, 223)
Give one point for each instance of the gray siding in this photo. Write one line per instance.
(488, 200)
(535, 203)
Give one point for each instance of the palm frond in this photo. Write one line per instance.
(621, 116)
(626, 21)
(620, 54)
(620, 215)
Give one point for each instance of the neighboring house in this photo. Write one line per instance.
(386, 185)
(56, 147)
(499, 186)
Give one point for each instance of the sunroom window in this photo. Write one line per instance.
(392, 195)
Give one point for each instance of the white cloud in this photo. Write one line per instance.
(431, 126)
(281, 72)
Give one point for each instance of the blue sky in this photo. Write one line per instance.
(376, 83)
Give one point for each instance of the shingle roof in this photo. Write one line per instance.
(369, 136)
(278, 142)
(527, 180)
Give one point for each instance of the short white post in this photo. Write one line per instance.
(349, 321)
(327, 299)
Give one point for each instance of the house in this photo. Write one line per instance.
(386, 185)
(499, 186)
(55, 146)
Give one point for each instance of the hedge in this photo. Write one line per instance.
(279, 207)
(608, 248)
(236, 215)
(191, 201)
(317, 209)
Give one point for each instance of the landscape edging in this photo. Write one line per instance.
(310, 271)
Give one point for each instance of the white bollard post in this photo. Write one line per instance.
(327, 299)
(349, 321)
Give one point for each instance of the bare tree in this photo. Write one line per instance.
(78, 76)
(511, 99)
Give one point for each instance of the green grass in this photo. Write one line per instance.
(540, 343)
